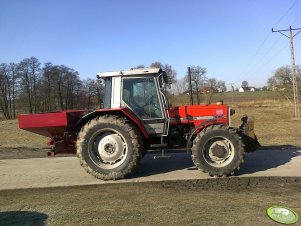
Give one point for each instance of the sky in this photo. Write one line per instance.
(231, 38)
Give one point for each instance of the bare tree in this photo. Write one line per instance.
(171, 73)
(139, 66)
(48, 87)
(179, 86)
(13, 73)
(94, 93)
(26, 87)
(4, 91)
(244, 84)
(221, 86)
(8, 89)
(212, 83)
(281, 81)
(197, 79)
(29, 72)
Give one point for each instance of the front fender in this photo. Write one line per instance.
(196, 130)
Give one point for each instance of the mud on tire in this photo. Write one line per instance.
(109, 148)
(218, 150)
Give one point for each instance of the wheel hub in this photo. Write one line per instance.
(219, 151)
(111, 148)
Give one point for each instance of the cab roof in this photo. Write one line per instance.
(140, 71)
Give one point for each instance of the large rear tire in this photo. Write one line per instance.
(218, 150)
(109, 148)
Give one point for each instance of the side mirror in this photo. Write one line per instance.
(165, 77)
(98, 76)
(100, 79)
(163, 80)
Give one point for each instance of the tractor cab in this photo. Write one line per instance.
(139, 90)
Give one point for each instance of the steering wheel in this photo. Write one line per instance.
(150, 101)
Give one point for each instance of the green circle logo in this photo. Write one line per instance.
(282, 215)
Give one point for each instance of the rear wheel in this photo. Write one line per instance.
(109, 148)
(218, 150)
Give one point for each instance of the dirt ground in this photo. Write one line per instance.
(235, 201)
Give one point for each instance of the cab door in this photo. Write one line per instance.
(142, 96)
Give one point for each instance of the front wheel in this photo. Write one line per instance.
(109, 148)
(218, 150)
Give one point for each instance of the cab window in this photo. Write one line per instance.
(140, 94)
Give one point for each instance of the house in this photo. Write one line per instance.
(246, 88)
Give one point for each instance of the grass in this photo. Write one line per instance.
(273, 125)
(199, 202)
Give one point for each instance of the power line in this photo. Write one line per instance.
(298, 18)
(263, 57)
(265, 40)
(269, 60)
(284, 15)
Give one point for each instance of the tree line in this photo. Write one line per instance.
(30, 87)
(202, 86)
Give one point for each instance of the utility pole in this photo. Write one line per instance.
(294, 76)
(190, 86)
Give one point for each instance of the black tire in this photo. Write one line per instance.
(218, 150)
(109, 148)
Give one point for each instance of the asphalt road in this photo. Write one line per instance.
(66, 171)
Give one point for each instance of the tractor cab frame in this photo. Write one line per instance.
(141, 91)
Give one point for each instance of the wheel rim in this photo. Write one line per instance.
(108, 149)
(218, 151)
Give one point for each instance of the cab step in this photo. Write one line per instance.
(158, 145)
(162, 156)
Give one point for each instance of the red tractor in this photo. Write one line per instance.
(136, 117)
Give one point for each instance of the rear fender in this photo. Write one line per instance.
(117, 111)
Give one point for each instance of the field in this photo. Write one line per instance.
(273, 113)
(225, 201)
(274, 124)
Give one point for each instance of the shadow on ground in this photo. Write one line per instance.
(150, 166)
(22, 218)
(265, 158)
(268, 157)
